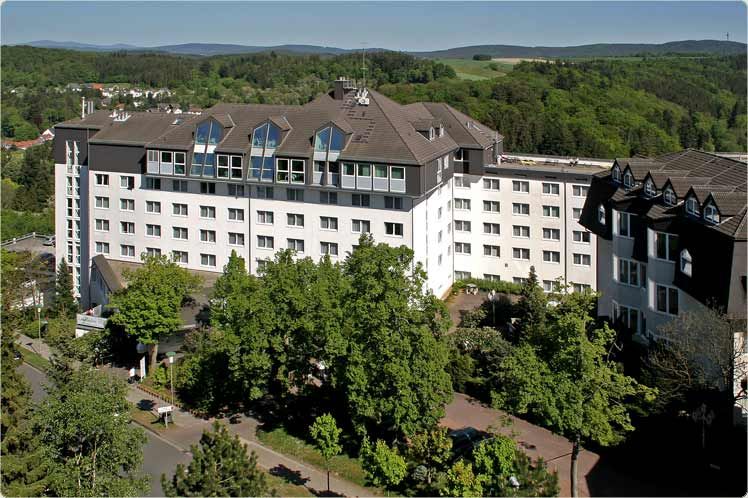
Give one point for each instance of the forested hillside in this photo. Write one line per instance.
(607, 107)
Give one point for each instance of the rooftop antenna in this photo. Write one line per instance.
(728, 36)
(363, 61)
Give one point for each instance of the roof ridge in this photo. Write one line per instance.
(389, 120)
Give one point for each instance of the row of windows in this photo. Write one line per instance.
(522, 231)
(548, 285)
(523, 186)
(518, 208)
(523, 253)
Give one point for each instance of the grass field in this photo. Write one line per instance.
(468, 69)
(34, 359)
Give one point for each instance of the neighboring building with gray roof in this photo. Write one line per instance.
(256, 178)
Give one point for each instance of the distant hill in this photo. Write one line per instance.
(509, 51)
(597, 50)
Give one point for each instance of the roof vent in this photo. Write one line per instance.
(362, 96)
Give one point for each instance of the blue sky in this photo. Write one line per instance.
(399, 26)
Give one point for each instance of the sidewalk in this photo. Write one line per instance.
(188, 429)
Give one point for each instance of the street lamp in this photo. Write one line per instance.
(39, 319)
(171, 355)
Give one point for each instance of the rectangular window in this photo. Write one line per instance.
(296, 245)
(102, 181)
(328, 223)
(102, 202)
(551, 256)
(492, 277)
(264, 192)
(579, 190)
(102, 225)
(491, 184)
(153, 230)
(551, 211)
(153, 251)
(330, 248)
(361, 200)
(208, 212)
(397, 202)
(153, 207)
(297, 172)
(462, 204)
(393, 229)
(236, 239)
(102, 247)
(667, 299)
(265, 242)
(521, 231)
(520, 253)
(153, 183)
(223, 166)
(295, 220)
(179, 162)
(208, 260)
(461, 182)
(491, 229)
(581, 236)
(360, 226)
(576, 213)
(127, 227)
(236, 214)
(491, 206)
(551, 234)
(180, 257)
(180, 186)
(265, 217)
(294, 194)
(127, 204)
(491, 251)
(236, 190)
(582, 259)
(462, 248)
(666, 245)
(127, 251)
(550, 188)
(547, 286)
(624, 224)
(628, 272)
(127, 182)
(462, 275)
(208, 236)
(520, 186)
(179, 233)
(208, 188)
(179, 209)
(328, 198)
(462, 226)
(520, 209)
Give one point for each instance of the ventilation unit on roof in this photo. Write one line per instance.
(178, 121)
(362, 96)
(120, 115)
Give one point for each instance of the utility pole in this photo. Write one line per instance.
(363, 62)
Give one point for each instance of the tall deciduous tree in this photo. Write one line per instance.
(383, 465)
(568, 382)
(63, 304)
(148, 308)
(91, 447)
(395, 374)
(326, 437)
(220, 466)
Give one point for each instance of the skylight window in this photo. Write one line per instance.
(208, 133)
(329, 139)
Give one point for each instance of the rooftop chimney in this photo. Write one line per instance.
(341, 86)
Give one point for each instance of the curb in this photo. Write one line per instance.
(162, 438)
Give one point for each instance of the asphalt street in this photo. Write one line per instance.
(159, 456)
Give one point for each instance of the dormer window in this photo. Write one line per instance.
(266, 135)
(601, 214)
(669, 197)
(649, 188)
(329, 139)
(616, 174)
(710, 214)
(686, 263)
(441, 131)
(628, 180)
(208, 133)
(692, 206)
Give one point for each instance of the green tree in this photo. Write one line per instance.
(383, 465)
(531, 307)
(461, 481)
(148, 308)
(91, 447)
(395, 373)
(63, 304)
(326, 435)
(567, 381)
(431, 450)
(220, 466)
(23, 470)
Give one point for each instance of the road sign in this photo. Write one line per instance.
(165, 409)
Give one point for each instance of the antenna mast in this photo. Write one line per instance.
(363, 61)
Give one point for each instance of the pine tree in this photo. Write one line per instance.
(220, 466)
(531, 307)
(63, 303)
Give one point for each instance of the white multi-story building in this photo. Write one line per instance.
(259, 178)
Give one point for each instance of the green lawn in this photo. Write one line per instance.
(285, 488)
(34, 359)
(468, 69)
(344, 466)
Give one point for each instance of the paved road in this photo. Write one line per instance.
(159, 456)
